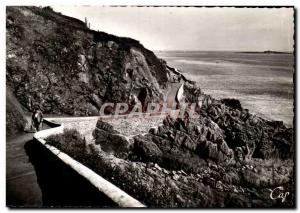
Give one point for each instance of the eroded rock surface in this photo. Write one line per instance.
(257, 137)
(182, 144)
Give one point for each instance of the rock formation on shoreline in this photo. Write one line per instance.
(226, 157)
(222, 133)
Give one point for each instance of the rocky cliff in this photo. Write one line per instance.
(15, 116)
(58, 63)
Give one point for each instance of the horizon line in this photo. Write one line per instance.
(241, 51)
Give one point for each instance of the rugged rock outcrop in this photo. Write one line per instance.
(246, 132)
(223, 132)
(202, 162)
(182, 144)
(58, 63)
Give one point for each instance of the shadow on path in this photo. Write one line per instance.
(22, 189)
(61, 186)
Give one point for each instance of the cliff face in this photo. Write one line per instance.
(66, 68)
(15, 117)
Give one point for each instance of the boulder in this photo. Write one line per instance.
(145, 149)
(232, 103)
(111, 141)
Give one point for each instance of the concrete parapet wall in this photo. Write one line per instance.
(121, 198)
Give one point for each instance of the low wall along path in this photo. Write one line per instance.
(121, 198)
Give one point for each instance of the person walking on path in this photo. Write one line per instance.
(37, 119)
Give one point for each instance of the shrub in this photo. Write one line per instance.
(72, 143)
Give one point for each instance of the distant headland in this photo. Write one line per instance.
(267, 52)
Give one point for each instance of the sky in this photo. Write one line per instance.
(205, 29)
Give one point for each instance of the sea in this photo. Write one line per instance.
(263, 82)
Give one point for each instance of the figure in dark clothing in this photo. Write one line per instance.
(37, 119)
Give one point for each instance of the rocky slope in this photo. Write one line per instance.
(183, 163)
(227, 158)
(223, 131)
(66, 68)
(15, 116)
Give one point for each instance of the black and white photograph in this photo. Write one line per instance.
(161, 107)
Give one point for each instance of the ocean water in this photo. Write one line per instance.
(262, 82)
